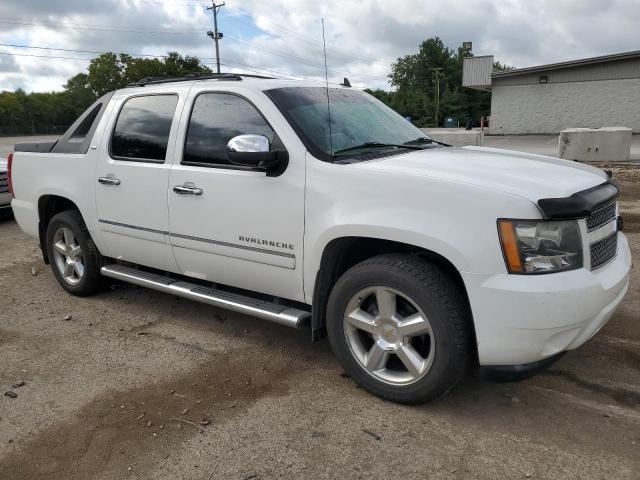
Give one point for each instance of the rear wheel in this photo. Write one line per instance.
(398, 325)
(74, 258)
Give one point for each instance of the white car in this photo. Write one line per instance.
(416, 259)
(5, 196)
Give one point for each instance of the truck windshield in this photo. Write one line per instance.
(357, 120)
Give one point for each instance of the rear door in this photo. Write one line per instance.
(132, 176)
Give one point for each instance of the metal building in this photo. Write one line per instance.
(593, 92)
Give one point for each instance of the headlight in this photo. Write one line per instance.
(540, 246)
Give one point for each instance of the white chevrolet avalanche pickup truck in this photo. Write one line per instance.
(321, 207)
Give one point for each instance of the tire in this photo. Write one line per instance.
(82, 278)
(370, 343)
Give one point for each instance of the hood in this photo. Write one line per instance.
(526, 175)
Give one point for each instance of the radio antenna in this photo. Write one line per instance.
(326, 79)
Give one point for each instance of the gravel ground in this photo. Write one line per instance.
(109, 393)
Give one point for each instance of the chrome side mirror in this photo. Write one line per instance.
(248, 144)
(254, 151)
(251, 151)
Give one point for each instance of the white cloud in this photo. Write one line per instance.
(363, 37)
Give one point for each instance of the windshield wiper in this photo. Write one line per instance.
(366, 145)
(420, 140)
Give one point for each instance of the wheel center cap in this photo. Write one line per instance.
(389, 334)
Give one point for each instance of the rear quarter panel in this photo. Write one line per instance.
(66, 175)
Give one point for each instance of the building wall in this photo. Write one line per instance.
(552, 107)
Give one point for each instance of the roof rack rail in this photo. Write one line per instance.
(193, 76)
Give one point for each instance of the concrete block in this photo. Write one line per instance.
(595, 144)
(456, 138)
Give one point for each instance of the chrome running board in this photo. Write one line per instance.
(282, 314)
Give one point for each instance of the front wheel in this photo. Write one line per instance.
(74, 257)
(399, 326)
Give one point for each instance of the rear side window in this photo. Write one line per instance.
(142, 129)
(85, 125)
(79, 135)
(215, 119)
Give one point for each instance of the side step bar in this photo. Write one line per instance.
(282, 314)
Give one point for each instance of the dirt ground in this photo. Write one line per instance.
(138, 384)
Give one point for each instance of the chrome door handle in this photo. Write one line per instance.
(109, 180)
(187, 190)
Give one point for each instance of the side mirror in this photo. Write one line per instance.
(252, 151)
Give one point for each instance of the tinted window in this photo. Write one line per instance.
(217, 118)
(86, 124)
(142, 129)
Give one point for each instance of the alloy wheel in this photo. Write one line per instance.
(68, 255)
(389, 335)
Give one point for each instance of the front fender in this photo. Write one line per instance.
(454, 220)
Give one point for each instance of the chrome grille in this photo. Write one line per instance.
(601, 216)
(4, 183)
(603, 250)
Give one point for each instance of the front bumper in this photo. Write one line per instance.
(515, 373)
(522, 319)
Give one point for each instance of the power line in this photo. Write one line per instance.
(174, 31)
(12, 45)
(304, 38)
(134, 27)
(229, 63)
(99, 52)
(301, 60)
(255, 45)
(106, 28)
(235, 64)
(331, 51)
(254, 69)
(42, 56)
(193, 31)
(165, 3)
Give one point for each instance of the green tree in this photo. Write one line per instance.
(77, 96)
(106, 74)
(415, 93)
(111, 71)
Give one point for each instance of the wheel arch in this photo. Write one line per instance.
(48, 206)
(342, 253)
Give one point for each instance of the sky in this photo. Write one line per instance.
(284, 37)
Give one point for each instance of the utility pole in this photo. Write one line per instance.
(436, 80)
(215, 34)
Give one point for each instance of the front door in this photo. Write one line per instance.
(229, 224)
(132, 176)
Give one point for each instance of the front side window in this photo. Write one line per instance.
(142, 129)
(356, 118)
(217, 118)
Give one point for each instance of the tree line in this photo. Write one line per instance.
(412, 77)
(24, 113)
